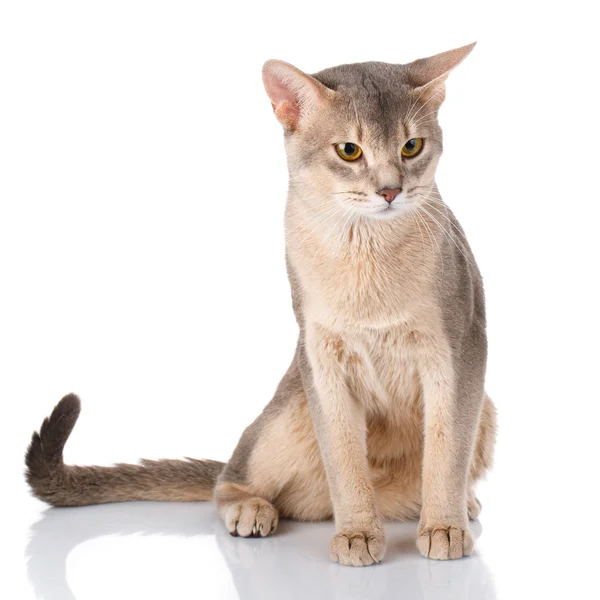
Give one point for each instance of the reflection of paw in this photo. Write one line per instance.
(444, 542)
(253, 517)
(357, 548)
(473, 508)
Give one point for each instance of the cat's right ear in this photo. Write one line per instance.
(294, 95)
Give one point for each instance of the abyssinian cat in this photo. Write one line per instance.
(382, 413)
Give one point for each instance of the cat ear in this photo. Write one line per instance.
(293, 94)
(428, 75)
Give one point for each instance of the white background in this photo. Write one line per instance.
(142, 189)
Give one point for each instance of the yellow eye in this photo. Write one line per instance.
(412, 147)
(349, 151)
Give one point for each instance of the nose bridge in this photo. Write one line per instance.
(390, 175)
(386, 166)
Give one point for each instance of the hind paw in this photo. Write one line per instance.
(473, 508)
(252, 517)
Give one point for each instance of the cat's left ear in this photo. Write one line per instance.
(294, 95)
(428, 75)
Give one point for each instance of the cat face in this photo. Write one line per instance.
(362, 138)
(372, 147)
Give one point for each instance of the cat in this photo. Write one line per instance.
(382, 413)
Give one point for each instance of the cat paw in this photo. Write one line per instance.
(252, 517)
(473, 508)
(357, 548)
(444, 542)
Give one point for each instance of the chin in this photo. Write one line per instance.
(388, 213)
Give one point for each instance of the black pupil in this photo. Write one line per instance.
(349, 149)
(410, 145)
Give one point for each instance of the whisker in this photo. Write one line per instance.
(316, 220)
(296, 177)
(329, 214)
(323, 242)
(414, 214)
(417, 187)
(341, 231)
(449, 221)
(413, 105)
(435, 94)
(423, 118)
(306, 217)
(358, 125)
(433, 239)
(420, 123)
(437, 200)
(446, 232)
(427, 196)
(420, 231)
(350, 215)
(433, 190)
(312, 207)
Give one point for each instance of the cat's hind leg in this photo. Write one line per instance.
(275, 469)
(483, 455)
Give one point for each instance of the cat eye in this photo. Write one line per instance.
(412, 147)
(348, 151)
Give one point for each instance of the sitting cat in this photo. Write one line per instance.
(382, 413)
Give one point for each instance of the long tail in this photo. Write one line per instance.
(64, 485)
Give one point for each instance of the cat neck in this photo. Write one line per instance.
(352, 237)
(366, 272)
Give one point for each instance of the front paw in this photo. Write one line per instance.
(357, 548)
(444, 542)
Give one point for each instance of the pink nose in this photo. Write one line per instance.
(389, 195)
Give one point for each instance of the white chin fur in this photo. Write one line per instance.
(377, 208)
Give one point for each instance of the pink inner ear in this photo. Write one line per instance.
(283, 99)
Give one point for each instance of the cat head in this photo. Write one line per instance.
(362, 137)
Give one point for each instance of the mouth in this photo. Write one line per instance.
(371, 207)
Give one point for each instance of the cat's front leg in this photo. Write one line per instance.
(340, 425)
(453, 392)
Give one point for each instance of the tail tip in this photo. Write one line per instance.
(44, 454)
(69, 405)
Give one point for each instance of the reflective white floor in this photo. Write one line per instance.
(182, 551)
(189, 542)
